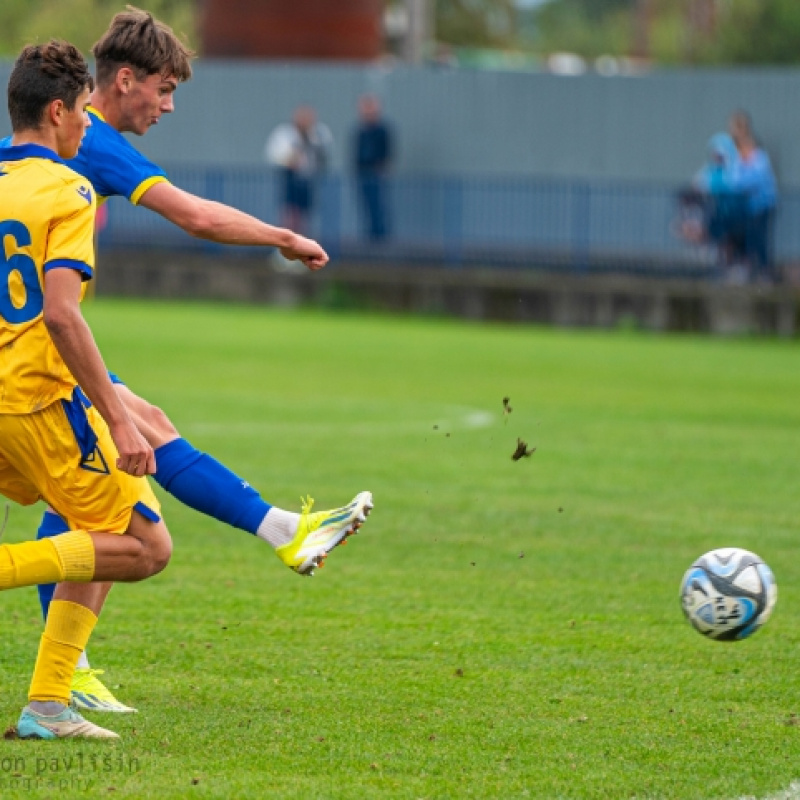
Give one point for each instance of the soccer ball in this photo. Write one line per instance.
(728, 594)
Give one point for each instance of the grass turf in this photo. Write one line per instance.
(500, 629)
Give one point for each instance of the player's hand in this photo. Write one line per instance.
(307, 251)
(136, 457)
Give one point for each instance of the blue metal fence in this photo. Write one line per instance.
(528, 223)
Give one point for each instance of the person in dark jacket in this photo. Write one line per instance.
(373, 153)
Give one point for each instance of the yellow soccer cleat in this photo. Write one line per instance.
(317, 534)
(90, 694)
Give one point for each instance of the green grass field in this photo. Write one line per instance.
(500, 629)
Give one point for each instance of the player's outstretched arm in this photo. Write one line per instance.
(74, 341)
(223, 224)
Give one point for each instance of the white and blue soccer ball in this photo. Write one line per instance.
(728, 594)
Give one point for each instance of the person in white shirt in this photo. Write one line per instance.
(300, 151)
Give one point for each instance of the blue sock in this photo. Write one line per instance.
(51, 525)
(201, 482)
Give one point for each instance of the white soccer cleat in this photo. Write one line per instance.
(68, 724)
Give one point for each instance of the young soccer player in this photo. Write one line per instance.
(77, 449)
(139, 64)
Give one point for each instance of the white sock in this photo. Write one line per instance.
(83, 661)
(46, 708)
(278, 527)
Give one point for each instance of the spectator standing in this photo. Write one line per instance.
(300, 151)
(373, 153)
(754, 178)
(713, 209)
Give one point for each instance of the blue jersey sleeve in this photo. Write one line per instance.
(113, 165)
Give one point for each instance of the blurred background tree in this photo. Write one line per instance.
(674, 31)
(669, 32)
(589, 28)
(756, 32)
(477, 23)
(81, 21)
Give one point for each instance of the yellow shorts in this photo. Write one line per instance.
(64, 455)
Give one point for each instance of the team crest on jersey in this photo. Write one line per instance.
(85, 192)
(95, 462)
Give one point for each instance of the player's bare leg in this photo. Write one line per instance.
(142, 551)
(88, 692)
(151, 421)
(87, 556)
(301, 540)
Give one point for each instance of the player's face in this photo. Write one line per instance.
(147, 100)
(74, 123)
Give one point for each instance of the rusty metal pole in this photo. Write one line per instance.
(701, 23)
(642, 24)
(420, 30)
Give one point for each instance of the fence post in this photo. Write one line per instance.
(214, 180)
(330, 219)
(453, 221)
(581, 212)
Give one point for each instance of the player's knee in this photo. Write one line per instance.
(159, 553)
(150, 554)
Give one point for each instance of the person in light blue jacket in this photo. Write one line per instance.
(754, 178)
(724, 204)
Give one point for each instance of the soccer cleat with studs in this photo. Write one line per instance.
(318, 533)
(69, 724)
(89, 693)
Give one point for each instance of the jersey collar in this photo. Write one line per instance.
(20, 151)
(93, 110)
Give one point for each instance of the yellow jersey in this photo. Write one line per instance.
(46, 222)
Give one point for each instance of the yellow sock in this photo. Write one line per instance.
(76, 551)
(66, 633)
(67, 557)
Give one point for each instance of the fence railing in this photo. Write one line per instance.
(580, 226)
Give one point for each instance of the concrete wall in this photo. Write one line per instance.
(651, 127)
(523, 296)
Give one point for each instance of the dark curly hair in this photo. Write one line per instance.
(137, 40)
(43, 73)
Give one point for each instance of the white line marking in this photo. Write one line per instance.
(479, 419)
(790, 793)
(458, 418)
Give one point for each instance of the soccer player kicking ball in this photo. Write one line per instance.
(79, 451)
(139, 64)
